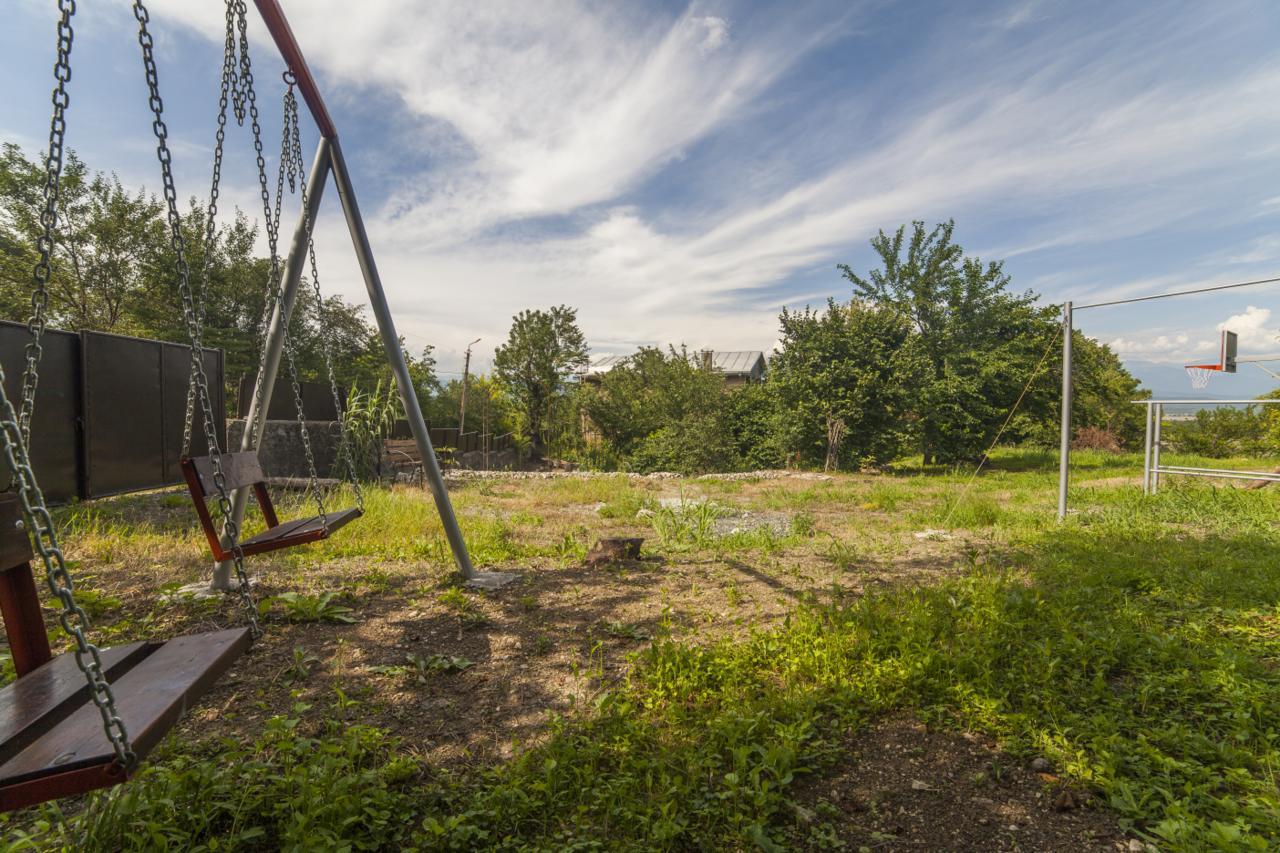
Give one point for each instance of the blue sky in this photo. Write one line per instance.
(680, 172)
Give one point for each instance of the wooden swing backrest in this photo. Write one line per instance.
(239, 470)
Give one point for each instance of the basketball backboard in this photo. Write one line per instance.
(1200, 374)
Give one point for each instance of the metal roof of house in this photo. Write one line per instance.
(741, 361)
(730, 362)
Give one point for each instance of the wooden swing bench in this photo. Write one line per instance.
(52, 742)
(240, 470)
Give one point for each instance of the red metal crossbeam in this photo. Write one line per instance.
(278, 25)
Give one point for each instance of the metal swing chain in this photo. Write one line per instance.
(15, 426)
(297, 166)
(275, 294)
(73, 618)
(161, 131)
(48, 216)
(229, 90)
(289, 149)
(248, 103)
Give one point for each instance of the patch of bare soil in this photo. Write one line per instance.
(542, 646)
(1109, 482)
(904, 787)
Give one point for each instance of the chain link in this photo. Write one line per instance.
(73, 618)
(292, 169)
(229, 89)
(15, 426)
(48, 217)
(230, 528)
(248, 103)
(275, 295)
(297, 167)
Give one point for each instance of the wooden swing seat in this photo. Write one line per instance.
(52, 742)
(240, 470)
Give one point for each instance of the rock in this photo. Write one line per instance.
(613, 550)
(1136, 846)
(1066, 800)
(1041, 765)
(491, 580)
(803, 815)
(680, 503)
(932, 535)
(917, 785)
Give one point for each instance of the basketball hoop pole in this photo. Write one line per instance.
(1226, 363)
(1064, 450)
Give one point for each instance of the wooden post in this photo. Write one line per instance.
(19, 604)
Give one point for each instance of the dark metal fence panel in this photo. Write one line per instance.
(122, 377)
(109, 410)
(317, 400)
(55, 436)
(176, 368)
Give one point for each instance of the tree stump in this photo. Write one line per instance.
(613, 550)
(1261, 484)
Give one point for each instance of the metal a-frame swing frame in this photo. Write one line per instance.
(329, 160)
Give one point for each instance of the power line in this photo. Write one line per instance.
(1177, 293)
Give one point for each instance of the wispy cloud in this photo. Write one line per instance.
(547, 128)
(1255, 330)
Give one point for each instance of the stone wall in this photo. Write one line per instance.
(282, 454)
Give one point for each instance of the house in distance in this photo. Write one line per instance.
(738, 367)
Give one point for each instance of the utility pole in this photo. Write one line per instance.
(466, 373)
(486, 434)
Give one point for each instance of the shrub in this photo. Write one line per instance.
(1096, 438)
(341, 789)
(1223, 432)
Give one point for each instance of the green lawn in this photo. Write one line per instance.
(1136, 645)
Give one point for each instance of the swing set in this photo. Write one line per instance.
(84, 719)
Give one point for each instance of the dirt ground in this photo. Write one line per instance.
(561, 633)
(901, 786)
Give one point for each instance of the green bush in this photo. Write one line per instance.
(343, 789)
(1222, 432)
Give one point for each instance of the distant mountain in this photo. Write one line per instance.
(1169, 381)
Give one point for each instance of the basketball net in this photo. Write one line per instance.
(1200, 374)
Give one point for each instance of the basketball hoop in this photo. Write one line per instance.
(1200, 374)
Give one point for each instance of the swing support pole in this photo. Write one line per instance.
(265, 383)
(399, 368)
(273, 16)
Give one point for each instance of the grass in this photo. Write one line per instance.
(1137, 646)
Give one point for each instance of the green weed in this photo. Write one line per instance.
(341, 789)
(300, 607)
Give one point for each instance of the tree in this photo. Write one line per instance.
(113, 269)
(1104, 392)
(980, 342)
(543, 349)
(855, 364)
(102, 242)
(1102, 398)
(663, 411)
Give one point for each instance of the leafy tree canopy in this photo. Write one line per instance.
(542, 351)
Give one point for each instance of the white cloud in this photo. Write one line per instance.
(1253, 326)
(554, 106)
(1176, 347)
(1255, 330)
(716, 33)
(1259, 250)
(535, 110)
(1020, 14)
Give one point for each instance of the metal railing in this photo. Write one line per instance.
(1151, 467)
